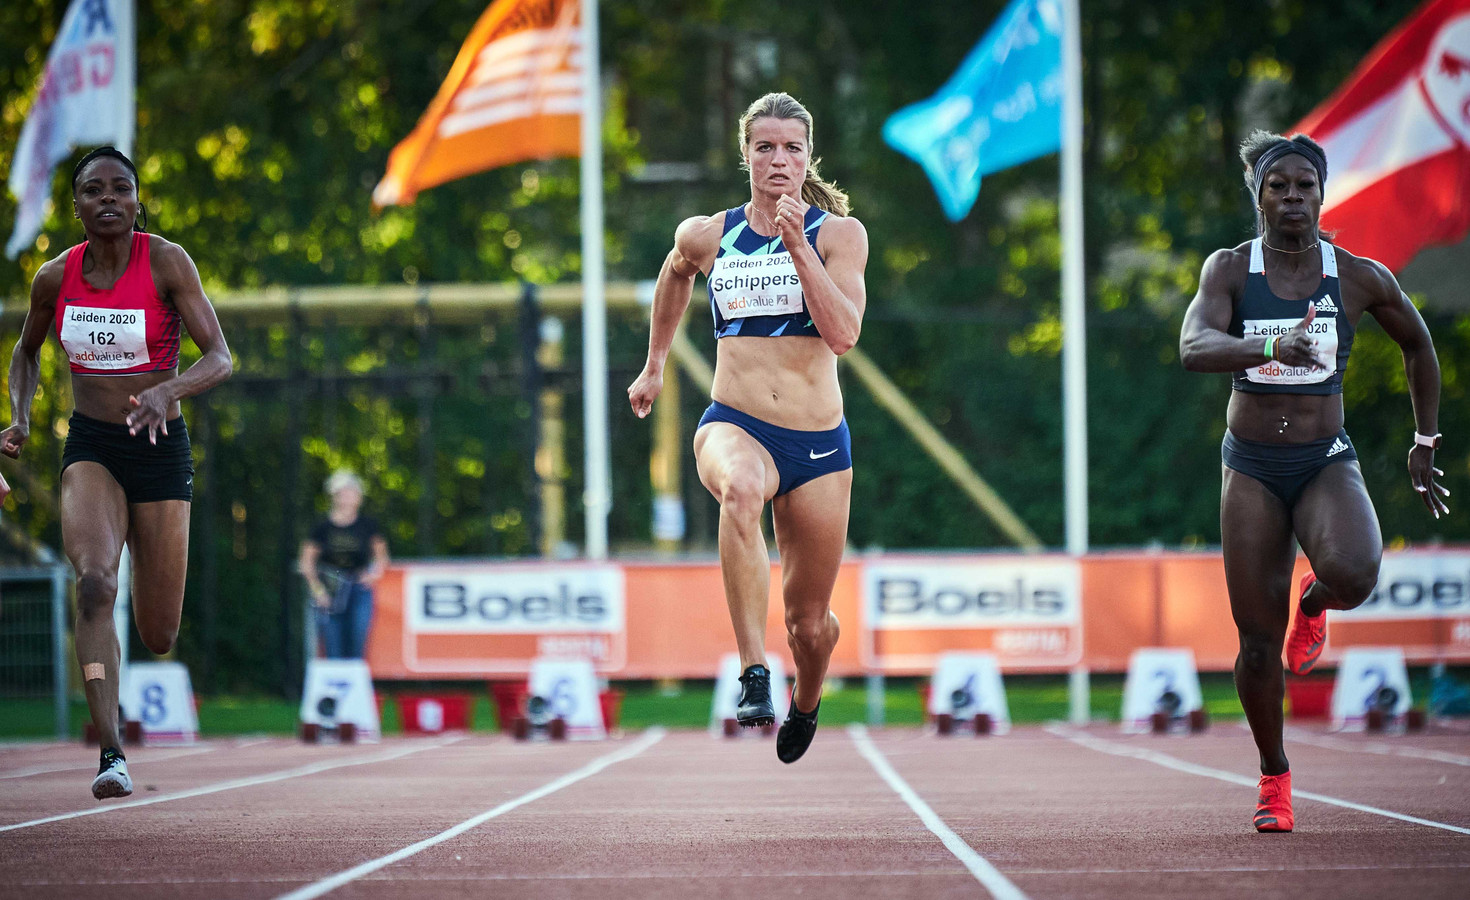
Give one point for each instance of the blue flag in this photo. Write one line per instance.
(1003, 107)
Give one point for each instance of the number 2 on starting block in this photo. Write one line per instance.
(1369, 678)
(1160, 680)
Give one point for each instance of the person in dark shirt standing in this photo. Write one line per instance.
(342, 559)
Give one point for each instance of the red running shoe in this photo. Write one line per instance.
(1308, 635)
(1273, 806)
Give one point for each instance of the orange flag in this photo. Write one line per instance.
(513, 94)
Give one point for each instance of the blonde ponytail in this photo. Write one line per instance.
(823, 194)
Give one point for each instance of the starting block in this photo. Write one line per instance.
(1371, 692)
(727, 697)
(966, 692)
(130, 730)
(1162, 692)
(563, 702)
(535, 718)
(162, 698)
(338, 702)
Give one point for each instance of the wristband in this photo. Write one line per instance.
(1425, 440)
(1271, 347)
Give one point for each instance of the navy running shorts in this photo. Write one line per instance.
(800, 456)
(1285, 469)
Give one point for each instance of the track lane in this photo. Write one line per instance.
(1062, 820)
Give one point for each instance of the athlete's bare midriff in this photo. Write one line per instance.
(1307, 417)
(790, 382)
(105, 397)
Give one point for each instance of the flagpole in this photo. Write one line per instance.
(129, 70)
(596, 498)
(1074, 318)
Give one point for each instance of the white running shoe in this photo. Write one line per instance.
(112, 776)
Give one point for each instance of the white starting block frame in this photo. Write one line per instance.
(966, 685)
(572, 694)
(161, 696)
(727, 694)
(349, 685)
(1362, 674)
(1154, 672)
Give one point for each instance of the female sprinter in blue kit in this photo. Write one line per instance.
(785, 273)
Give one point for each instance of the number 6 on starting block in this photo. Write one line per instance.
(570, 689)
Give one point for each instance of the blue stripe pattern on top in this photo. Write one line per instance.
(752, 272)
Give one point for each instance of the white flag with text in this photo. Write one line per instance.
(86, 97)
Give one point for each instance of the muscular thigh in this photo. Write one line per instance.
(159, 543)
(94, 517)
(1256, 536)
(1335, 517)
(724, 452)
(811, 535)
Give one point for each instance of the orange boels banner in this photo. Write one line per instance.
(471, 618)
(1025, 610)
(513, 94)
(899, 613)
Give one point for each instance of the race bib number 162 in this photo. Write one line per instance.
(101, 338)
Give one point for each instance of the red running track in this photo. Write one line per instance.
(898, 813)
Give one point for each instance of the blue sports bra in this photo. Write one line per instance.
(753, 286)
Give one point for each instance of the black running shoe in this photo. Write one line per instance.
(796, 733)
(112, 776)
(755, 707)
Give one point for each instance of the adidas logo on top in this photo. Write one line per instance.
(1337, 447)
(1326, 305)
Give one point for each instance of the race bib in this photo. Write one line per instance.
(1322, 330)
(99, 338)
(745, 286)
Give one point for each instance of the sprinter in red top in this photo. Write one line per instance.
(119, 301)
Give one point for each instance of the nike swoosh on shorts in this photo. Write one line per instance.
(815, 455)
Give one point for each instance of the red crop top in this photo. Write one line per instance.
(126, 330)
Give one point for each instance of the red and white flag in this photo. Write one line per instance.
(86, 97)
(514, 93)
(1397, 136)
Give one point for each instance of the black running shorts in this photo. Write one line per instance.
(147, 472)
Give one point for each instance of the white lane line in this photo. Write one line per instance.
(1163, 759)
(1378, 748)
(988, 875)
(326, 885)
(152, 758)
(251, 781)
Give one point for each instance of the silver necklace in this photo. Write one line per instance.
(1279, 250)
(772, 239)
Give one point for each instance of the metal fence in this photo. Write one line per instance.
(33, 636)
